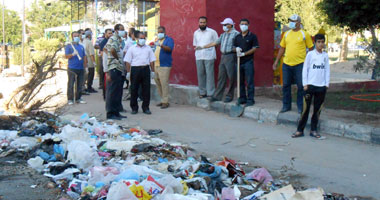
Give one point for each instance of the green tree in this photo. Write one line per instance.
(13, 26)
(357, 16)
(312, 18)
(44, 15)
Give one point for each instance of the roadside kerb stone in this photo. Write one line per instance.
(358, 132)
(267, 115)
(204, 103)
(218, 106)
(252, 112)
(288, 118)
(375, 136)
(332, 127)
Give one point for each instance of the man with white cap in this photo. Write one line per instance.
(205, 58)
(91, 64)
(227, 62)
(293, 45)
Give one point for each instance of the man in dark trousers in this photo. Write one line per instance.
(114, 76)
(104, 59)
(76, 56)
(140, 61)
(246, 44)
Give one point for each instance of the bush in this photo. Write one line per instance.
(45, 47)
(17, 56)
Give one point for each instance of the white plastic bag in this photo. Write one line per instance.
(170, 181)
(26, 143)
(36, 163)
(8, 135)
(82, 155)
(70, 133)
(120, 191)
(120, 145)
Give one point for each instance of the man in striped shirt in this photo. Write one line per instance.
(227, 62)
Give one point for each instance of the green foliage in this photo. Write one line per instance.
(13, 26)
(44, 48)
(312, 18)
(43, 15)
(17, 55)
(357, 15)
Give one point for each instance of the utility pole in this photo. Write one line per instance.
(23, 37)
(3, 47)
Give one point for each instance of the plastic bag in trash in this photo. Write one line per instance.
(36, 163)
(102, 174)
(152, 186)
(128, 175)
(8, 135)
(120, 191)
(174, 183)
(310, 194)
(120, 145)
(82, 155)
(26, 143)
(140, 192)
(70, 133)
(260, 174)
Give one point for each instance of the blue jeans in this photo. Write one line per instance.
(247, 73)
(292, 74)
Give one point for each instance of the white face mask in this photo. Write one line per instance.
(161, 36)
(141, 42)
(243, 27)
(121, 33)
(225, 28)
(292, 25)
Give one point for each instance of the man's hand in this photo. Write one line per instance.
(305, 87)
(274, 66)
(240, 54)
(95, 63)
(128, 76)
(152, 75)
(74, 53)
(108, 77)
(238, 49)
(198, 48)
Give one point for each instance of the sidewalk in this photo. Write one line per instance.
(333, 122)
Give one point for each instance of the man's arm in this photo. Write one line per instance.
(84, 62)
(114, 53)
(281, 52)
(152, 66)
(128, 66)
(250, 52)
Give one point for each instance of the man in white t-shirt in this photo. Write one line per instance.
(205, 58)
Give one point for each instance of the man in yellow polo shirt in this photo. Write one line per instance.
(293, 47)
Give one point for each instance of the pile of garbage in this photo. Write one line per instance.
(90, 159)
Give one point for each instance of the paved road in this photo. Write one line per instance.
(336, 164)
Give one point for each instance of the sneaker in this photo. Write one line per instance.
(91, 90)
(81, 101)
(165, 105)
(70, 102)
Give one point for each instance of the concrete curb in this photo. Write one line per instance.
(188, 95)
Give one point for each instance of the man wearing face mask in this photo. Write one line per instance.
(164, 48)
(139, 63)
(82, 36)
(293, 46)
(246, 44)
(205, 58)
(104, 58)
(77, 61)
(90, 54)
(227, 62)
(115, 70)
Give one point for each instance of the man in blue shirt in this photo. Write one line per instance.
(164, 48)
(77, 62)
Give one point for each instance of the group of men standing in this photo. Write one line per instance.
(122, 59)
(129, 58)
(233, 44)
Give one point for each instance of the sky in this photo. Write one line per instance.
(16, 5)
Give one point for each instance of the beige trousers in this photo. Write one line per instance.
(161, 77)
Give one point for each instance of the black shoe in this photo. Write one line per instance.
(114, 117)
(241, 101)
(285, 110)
(134, 112)
(121, 116)
(147, 112)
(123, 111)
(227, 100)
(91, 90)
(100, 87)
(202, 96)
(85, 93)
(212, 99)
(250, 103)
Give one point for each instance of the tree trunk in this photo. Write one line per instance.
(344, 49)
(376, 50)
